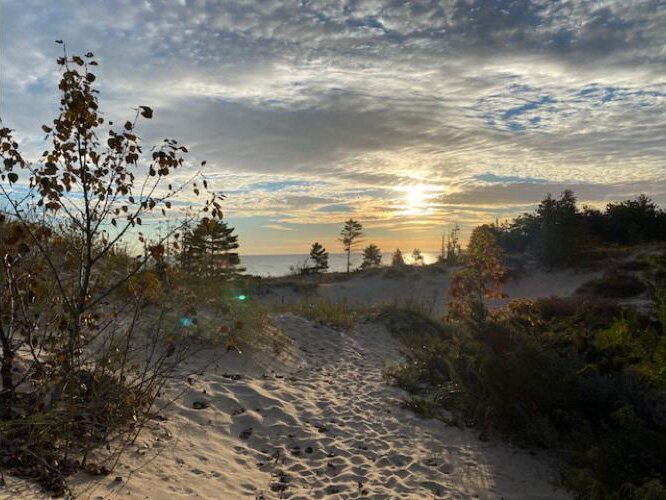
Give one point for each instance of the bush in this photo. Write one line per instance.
(410, 325)
(550, 374)
(613, 286)
(72, 303)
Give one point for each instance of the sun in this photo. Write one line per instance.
(417, 199)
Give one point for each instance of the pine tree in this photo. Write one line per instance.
(397, 259)
(349, 236)
(417, 257)
(372, 256)
(319, 256)
(559, 229)
(209, 249)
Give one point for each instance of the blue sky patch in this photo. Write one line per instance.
(509, 179)
(336, 208)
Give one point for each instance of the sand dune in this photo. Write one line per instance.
(427, 287)
(319, 421)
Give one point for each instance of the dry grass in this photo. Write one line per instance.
(328, 312)
(224, 313)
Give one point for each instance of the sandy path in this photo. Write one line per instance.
(323, 424)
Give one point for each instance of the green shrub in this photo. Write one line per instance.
(552, 374)
(613, 285)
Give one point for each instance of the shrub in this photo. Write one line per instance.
(592, 390)
(410, 326)
(613, 286)
(93, 368)
(482, 278)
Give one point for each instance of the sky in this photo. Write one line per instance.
(408, 116)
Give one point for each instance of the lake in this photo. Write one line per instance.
(280, 265)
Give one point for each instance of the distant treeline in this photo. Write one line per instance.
(558, 230)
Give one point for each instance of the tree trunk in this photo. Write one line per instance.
(7, 393)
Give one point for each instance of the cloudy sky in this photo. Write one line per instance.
(410, 116)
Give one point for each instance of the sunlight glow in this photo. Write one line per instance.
(417, 198)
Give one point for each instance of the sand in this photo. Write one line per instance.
(317, 421)
(426, 288)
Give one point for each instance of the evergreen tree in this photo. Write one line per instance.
(417, 257)
(349, 236)
(209, 249)
(634, 221)
(559, 229)
(397, 259)
(372, 256)
(319, 256)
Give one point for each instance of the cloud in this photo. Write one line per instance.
(278, 227)
(336, 208)
(315, 109)
(523, 194)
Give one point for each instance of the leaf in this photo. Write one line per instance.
(146, 112)
(13, 177)
(128, 125)
(77, 60)
(58, 41)
(46, 129)
(90, 77)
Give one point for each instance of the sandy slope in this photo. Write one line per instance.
(324, 424)
(427, 287)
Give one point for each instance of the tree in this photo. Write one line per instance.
(482, 278)
(372, 257)
(209, 249)
(635, 221)
(559, 229)
(319, 256)
(70, 211)
(397, 259)
(349, 236)
(417, 257)
(451, 251)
